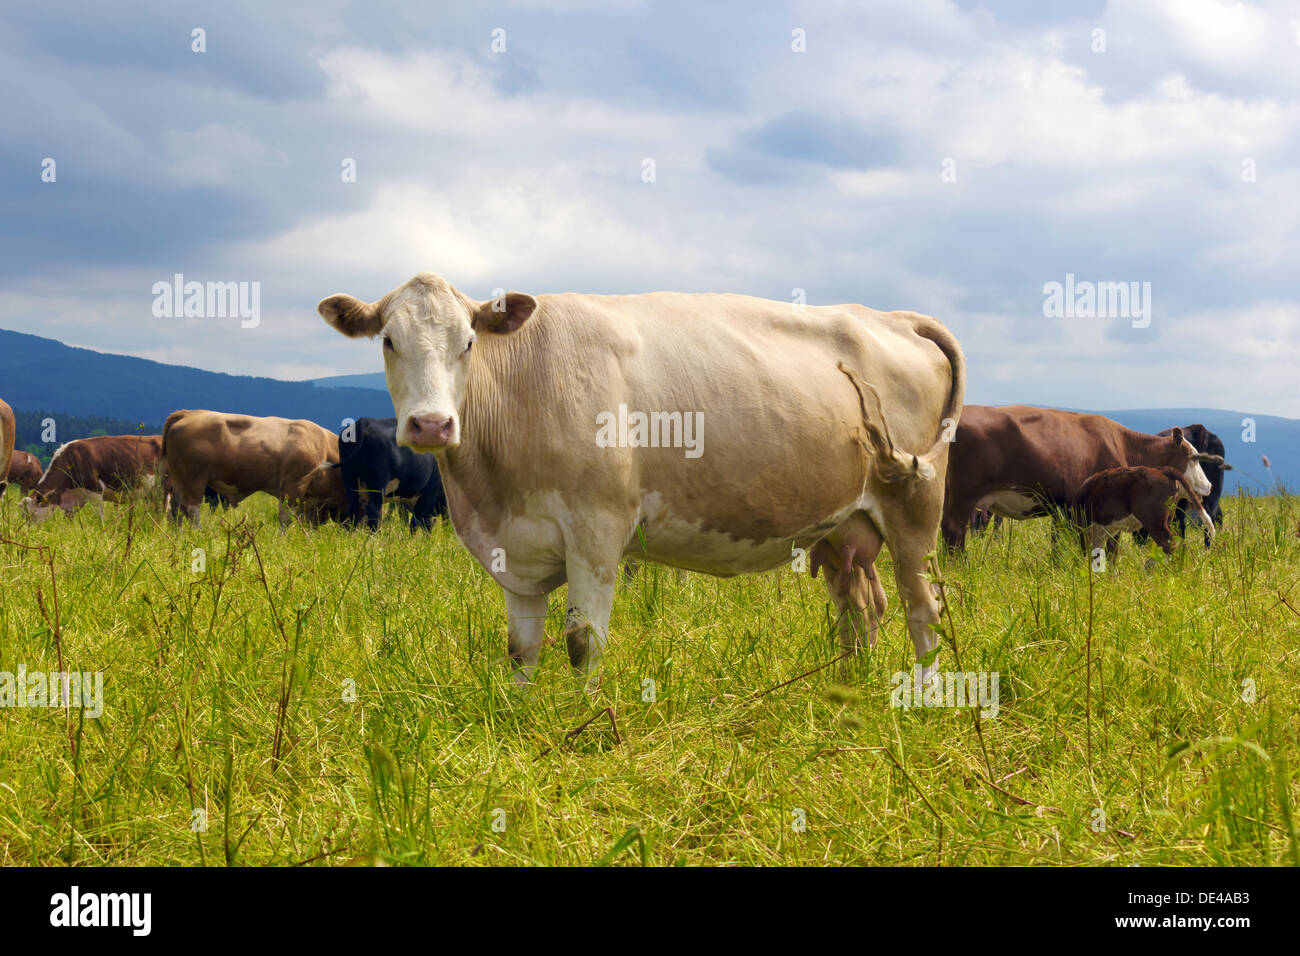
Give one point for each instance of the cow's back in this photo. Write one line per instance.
(115, 463)
(242, 454)
(1048, 453)
(781, 424)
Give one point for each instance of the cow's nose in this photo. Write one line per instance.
(431, 430)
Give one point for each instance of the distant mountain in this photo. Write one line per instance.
(364, 380)
(39, 373)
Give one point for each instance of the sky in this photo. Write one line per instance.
(952, 158)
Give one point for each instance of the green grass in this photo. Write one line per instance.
(227, 694)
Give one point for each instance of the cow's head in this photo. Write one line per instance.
(1185, 457)
(38, 506)
(429, 330)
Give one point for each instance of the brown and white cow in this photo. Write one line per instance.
(240, 455)
(716, 433)
(8, 431)
(1022, 462)
(94, 469)
(25, 470)
(1128, 499)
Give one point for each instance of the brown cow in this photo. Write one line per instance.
(1126, 499)
(240, 455)
(1023, 462)
(8, 429)
(25, 469)
(92, 469)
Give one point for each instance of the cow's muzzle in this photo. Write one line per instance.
(431, 431)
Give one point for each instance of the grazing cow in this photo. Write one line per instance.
(374, 464)
(714, 433)
(1127, 499)
(94, 469)
(8, 431)
(240, 455)
(1023, 462)
(25, 469)
(1206, 441)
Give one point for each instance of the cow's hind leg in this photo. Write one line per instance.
(910, 526)
(848, 555)
(185, 502)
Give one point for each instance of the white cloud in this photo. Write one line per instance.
(1120, 165)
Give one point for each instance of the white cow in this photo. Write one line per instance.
(715, 433)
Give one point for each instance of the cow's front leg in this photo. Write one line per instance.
(526, 630)
(586, 625)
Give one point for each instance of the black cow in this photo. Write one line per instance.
(1203, 440)
(373, 462)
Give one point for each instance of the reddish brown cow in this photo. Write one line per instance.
(8, 429)
(1022, 462)
(25, 470)
(1126, 499)
(92, 469)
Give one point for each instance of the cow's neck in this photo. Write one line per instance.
(1148, 449)
(495, 410)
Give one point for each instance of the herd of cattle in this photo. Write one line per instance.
(222, 459)
(831, 429)
(1006, 462)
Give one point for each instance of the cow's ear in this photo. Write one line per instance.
(505, 314)
(1176, 436)
(351, 316)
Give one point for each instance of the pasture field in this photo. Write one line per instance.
(228, 690)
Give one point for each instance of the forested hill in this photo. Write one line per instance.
(41, 374)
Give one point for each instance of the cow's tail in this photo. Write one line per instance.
(892, 463)
(1195, 499)
(172, 419)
